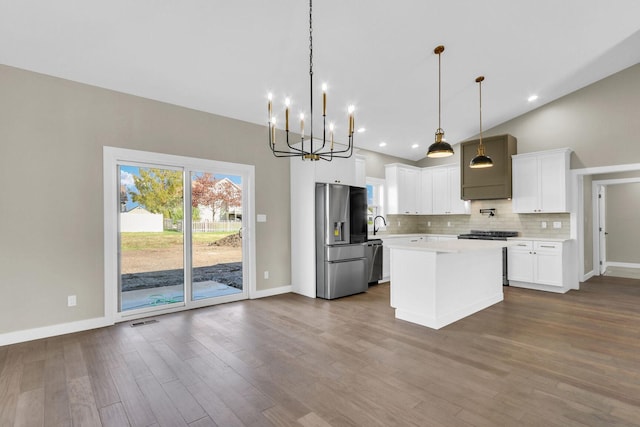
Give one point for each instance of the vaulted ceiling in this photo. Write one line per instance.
(223, 57)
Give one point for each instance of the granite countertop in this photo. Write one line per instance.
(452, 246)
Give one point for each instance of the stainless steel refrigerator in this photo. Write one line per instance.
(341, 235)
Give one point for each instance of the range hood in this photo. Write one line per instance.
(487, 183)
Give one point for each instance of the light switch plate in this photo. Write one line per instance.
(261, 218)
(557, 224)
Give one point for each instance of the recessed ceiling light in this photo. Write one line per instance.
(360, 130)
(415, 146)
(532, 98)
(382, 144)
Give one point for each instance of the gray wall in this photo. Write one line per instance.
(51, 136)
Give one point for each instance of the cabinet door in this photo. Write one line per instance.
(361, 174)
(519, 264)
(426, 192)
(548, 263)
(337, 171)
(525, 185)
(457, 205)
(408, 191)
(441, 197)
(552, 177)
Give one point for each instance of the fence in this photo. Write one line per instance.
(204, 226)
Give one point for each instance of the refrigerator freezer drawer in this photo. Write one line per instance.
(342, 252)
(344, 278)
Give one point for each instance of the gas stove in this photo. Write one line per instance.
(488, 235)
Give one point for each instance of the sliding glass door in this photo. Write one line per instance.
(216, 237)
(180, 233)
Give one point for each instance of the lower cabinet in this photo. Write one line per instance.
(542, 265)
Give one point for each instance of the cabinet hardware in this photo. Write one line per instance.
(547, 246)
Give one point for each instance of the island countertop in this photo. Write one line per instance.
(453, 246)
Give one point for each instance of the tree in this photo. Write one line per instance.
(218, 194)
(159, 191)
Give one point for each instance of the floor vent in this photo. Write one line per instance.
(143, 322)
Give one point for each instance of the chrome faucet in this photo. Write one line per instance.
(375, 230)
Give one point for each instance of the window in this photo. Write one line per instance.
(375, 202)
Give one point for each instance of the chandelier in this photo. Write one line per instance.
(481, 160)
(439, 148)
(308, 149)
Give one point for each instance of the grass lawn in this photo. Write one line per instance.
(166, 239)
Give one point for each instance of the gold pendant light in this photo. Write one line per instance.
(439, 148)
(481, 160)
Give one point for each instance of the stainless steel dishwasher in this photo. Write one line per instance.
(374, 260)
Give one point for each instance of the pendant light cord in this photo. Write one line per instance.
(439, 92)
(480, 84)
(311, 71)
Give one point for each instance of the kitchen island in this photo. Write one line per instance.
(437, 283)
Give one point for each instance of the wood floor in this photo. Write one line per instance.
(536, 359)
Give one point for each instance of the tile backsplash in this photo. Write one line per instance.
(527, 225)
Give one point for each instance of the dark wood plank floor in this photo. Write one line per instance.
(536, 359)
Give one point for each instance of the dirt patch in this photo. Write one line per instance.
(232, 241)
(158, 259)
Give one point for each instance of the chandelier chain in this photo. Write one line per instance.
(311, 72)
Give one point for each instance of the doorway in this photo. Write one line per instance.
(616, 227)
(177, 233)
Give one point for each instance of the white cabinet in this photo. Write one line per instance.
(542, 265)
(540, 181)
(403, 189)
(426, 191)
(303, 176)
(337, 171)
(446, 191)
(361, 173)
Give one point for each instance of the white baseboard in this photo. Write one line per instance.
(623, 264)
(271, 292)
(53, 330)
(98, 322)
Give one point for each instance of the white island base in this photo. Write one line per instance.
(435, 284)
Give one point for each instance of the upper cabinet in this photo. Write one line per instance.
(446, 191)
(337, 171)
(540, 181)
(361, 172)
(403, 189)
(493, 182)
(426, 191)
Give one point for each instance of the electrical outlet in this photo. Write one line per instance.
(557, 224)
(71, 301)
(266, 274)
(543, 224)
(428, 223)
(448, 223)
(398, 223)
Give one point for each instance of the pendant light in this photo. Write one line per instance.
(481, 160)
(439, 148)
